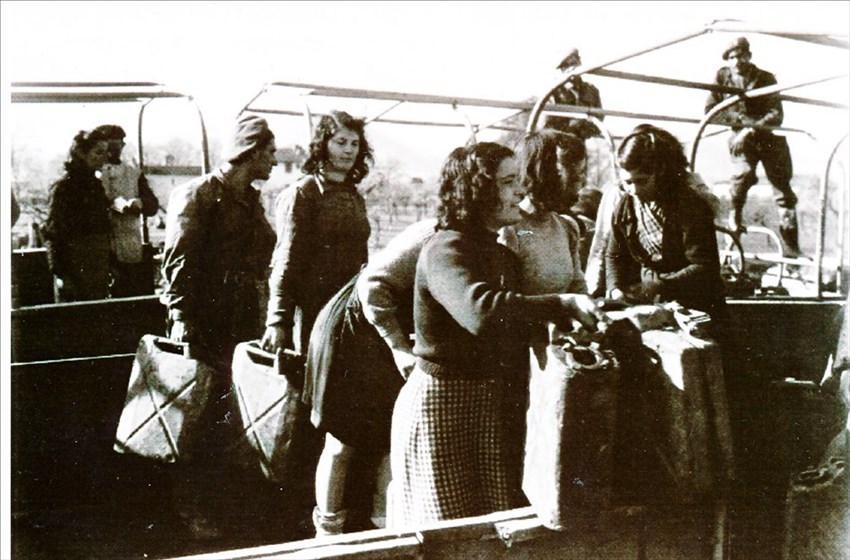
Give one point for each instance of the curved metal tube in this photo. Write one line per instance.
(473, 139)
(205, 147)
(824, 194)
(140, 149)
(244, 108)
(538, 106)
(141, 152)
(612, 149)
(308, 116)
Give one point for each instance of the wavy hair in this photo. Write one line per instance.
(329, 125)
(468, 189)
(84, 141)
(650, 149)
(539, 167)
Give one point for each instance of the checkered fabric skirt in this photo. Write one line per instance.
(447, 449)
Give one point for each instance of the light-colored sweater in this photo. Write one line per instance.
(547, 246)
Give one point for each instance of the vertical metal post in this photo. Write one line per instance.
(824, 195)
(205, 147)
(141, 152)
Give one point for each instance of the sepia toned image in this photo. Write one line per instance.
(438, 280)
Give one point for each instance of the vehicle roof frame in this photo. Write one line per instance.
(110, 92)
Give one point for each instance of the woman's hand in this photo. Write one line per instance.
(583, 309)
(276, 338)
(644, 292)
(181, 332)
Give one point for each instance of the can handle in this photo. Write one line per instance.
(258, 355)
(172, 347)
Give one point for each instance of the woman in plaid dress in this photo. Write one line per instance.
(447, 449)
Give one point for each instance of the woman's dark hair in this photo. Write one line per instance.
(81, 145)
(328, 126)
(649, 149)
(109, 132)
(539, 167)
(468, 190)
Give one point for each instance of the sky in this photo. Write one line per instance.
(223, 52)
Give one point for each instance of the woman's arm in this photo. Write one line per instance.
(294, 229)
(388, 278)
(620, 266)
(699, 245)
(294, 226)
(480, 305)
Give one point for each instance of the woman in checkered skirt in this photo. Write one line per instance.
(447, 449)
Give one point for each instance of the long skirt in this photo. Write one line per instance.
(447, 449)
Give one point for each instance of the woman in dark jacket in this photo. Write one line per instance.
(322, 231)
(448, 447)
(663, 245)
(77, 229)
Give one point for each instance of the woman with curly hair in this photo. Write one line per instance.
(322, 231)
(447, 443)
(77, 231)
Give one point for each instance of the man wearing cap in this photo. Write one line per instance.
(131, 200)
(752, 144)
(599, 171)
(575, 92)
(218, 245)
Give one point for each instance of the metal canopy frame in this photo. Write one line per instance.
(717, 26)
(834, 40)
(142, 93)
(542, 105)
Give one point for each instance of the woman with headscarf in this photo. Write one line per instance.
(662, 245)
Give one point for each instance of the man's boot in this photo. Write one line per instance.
(789, 233)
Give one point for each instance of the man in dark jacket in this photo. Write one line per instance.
(218, 245)
(575, 92)
(752, 143)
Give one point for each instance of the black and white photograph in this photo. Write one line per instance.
(425, 280)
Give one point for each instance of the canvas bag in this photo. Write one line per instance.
(268, 388)
(167, 395)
